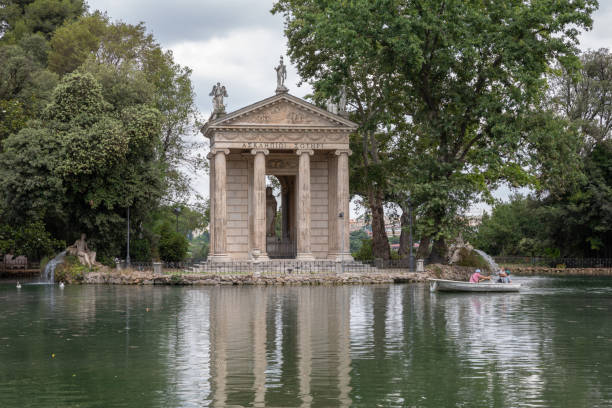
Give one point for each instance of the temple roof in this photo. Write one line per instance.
(279, 112)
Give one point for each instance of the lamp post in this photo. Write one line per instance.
(177, 211)
(127, 257)
(341, 218)
(410, 255)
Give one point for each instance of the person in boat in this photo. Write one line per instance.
(501, 276)
(477, 277)
(505, 278)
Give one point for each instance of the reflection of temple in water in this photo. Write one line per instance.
(264, 347)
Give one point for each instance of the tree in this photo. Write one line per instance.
(455, 82)
(130, 63)
(18, 17)
(82, 166)
(172, 245)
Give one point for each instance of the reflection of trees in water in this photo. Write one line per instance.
(395, 345)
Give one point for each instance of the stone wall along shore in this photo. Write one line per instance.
(523, 270)
(131, 277)
(134, 277)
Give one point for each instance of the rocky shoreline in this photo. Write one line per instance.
(130, 277)
(109, 276)
(520, 270)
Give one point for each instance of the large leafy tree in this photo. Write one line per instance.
(19, 17)
(455, 81)
(131, 64)
(81, 166)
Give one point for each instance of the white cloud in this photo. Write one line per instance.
(243, 60)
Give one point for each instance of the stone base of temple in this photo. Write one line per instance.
(219, 258)
(283, 266)
(341, 257)
(304, 257)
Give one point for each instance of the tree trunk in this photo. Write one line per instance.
(423, 251)
(404, 241)
(380, 242)
(438, 252)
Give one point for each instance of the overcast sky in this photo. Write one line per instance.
(238, 43)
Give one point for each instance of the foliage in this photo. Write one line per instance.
(25, 84)
(365, 251)
(585, 98)
(19, 17)
(356, 239)
(447, 95)
(84, 164)
(172, 245)
(199, 247)
(30, 240)
(140, 250)
(472, 259)
(132, 68)
(71, 270)
(12, 118)
(573, 218)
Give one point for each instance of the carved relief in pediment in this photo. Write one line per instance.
(282, 114)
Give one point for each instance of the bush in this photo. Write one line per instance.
(31, 240)
(140, 250)
(70, 270)
(365, 252)
(106, 260)
(172, 245)
(472, 259)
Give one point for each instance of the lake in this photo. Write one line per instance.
(365, 346)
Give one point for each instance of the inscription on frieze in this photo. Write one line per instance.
(282, 145)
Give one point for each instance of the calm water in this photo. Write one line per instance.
(369, 346)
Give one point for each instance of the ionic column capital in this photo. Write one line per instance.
(302, 151)
(216, 150)
(264, 151)
(343, 151)
(210, 156)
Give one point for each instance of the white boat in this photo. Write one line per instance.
(443, 285)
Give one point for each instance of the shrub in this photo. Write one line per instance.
(70, 270)
(172, 245)
(365, 252)
(31, 240)
(140, 250)
(472, 259)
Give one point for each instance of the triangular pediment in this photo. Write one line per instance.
(282, 110)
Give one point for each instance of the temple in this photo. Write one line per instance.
(307, 149)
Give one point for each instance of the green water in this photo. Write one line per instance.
(367, 346)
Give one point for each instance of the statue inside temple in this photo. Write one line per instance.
(271, 207)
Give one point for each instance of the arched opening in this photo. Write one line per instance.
(280, 216)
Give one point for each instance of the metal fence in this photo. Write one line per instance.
(555, 262)
(273, 267)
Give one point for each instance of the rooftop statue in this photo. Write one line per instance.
(281, 76)
(218, 93)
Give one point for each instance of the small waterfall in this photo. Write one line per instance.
(493, 266)
(48, 275)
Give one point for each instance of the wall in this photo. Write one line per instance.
(319, 206)
(237, 208)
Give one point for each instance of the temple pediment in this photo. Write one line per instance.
(281, 111)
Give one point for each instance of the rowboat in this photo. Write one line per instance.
(444, 285)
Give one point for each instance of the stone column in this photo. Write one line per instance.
(342, 206)
(259, 203)
(220, 206)
(304, 252)
(211, 196)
